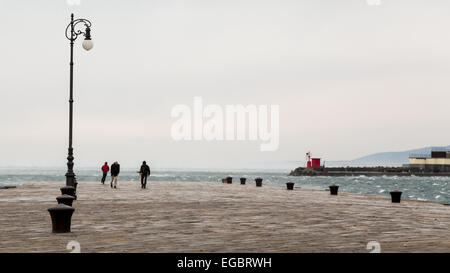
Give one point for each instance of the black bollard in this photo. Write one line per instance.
(243, 179)
(290, 185)
(259, 182)
(396, 196)
(65, 199)
(69, 190)
(229, 179)
(334, 189)
(61, 218)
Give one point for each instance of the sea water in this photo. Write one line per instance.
(419, 188)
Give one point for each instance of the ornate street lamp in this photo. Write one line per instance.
(61, 214)
(72, 34)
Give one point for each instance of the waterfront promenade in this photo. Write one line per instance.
(216, 217)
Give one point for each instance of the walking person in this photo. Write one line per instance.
(105, 170)
(144, 173)
(115, 170)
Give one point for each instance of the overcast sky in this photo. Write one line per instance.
(350, 78)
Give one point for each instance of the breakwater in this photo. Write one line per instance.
(366, 171)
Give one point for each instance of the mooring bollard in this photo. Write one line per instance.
(290, 185)
(69, 190)
(334, 189)
(229, 179)
(396, 196)
(243, 179)
(258, 181)
(61, 218)
(65, 199)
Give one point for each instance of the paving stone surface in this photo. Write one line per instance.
(216, 217)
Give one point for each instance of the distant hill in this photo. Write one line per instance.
(385, 159)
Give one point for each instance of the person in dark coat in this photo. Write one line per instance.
(115, 170)
(105, 170)
(144, 172)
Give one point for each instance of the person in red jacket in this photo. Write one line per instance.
(105, 170)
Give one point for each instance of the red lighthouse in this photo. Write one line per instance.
(312, 162)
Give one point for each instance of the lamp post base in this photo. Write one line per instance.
(65, 199)
(71, 181)
(61, 218)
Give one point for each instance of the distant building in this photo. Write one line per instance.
(312, 162)
(439, 161)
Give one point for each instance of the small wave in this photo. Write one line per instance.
(161, 175)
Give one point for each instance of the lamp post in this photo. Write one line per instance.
(72, 34)
(61, 214)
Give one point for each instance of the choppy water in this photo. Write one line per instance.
(421, 188)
